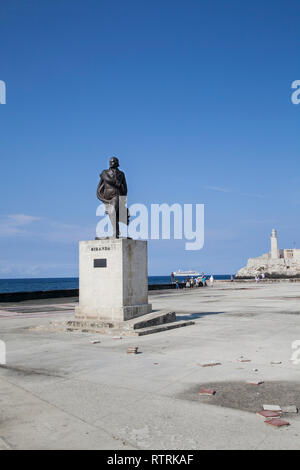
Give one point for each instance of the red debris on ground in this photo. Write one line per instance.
(207, 392)
(277, 422)
(268, 414)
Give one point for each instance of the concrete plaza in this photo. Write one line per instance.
(58, 390)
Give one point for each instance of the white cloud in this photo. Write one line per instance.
(218, 189)
(22, 270)
(13, 224)
(17, 271)
(228, 191)
(42, 228)
(21, 219)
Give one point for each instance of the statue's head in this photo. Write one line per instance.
(114, 162)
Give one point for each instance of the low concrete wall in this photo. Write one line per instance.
(52, 294)
(161, 286)
(49, 294)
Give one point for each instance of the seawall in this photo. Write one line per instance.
(52, 294)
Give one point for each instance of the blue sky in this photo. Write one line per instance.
(193, 97)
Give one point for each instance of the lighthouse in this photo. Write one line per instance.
(274, 245)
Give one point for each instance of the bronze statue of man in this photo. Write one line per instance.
(112, 191)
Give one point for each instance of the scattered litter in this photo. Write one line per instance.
(276, 362)
(95, 341)
(244, 360)
(272, 408)
(255, 382)
(132, 350)
(210, 364)
(277, 422)
(268, 414)
(289, 409)
(207, 392)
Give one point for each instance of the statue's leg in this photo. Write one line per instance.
(113, 212)
(117, 212)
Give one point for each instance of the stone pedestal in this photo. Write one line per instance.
(113, 280)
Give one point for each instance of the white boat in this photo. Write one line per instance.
(185, 273)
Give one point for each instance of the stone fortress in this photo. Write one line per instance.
(276, 264)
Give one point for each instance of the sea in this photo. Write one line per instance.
(60, 283)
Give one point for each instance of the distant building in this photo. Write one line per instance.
(277, 263)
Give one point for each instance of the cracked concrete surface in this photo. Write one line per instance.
(60, 391)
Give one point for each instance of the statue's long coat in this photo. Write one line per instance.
(112, 185)
(111, 180)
